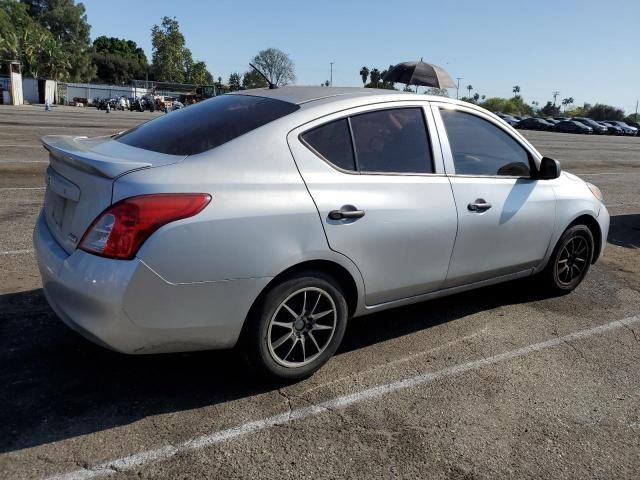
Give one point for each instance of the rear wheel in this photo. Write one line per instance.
(297, 327)
(570, 260)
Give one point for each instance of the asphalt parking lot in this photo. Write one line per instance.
(499, 382)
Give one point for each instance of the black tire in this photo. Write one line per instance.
(555, 276)
(258, 337)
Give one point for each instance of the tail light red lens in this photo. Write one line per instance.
(119, 231)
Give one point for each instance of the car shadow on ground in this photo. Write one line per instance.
(56, 385)
(624, 230)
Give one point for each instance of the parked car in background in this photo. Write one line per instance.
(635, 125)
(267, 218)
(597, 128)
(571, 126)
(612, 129)
(511, 120)
(553, 121)
(626, 129)
(535, 124)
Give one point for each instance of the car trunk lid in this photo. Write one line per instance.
(80, 180)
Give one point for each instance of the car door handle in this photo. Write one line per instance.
(347, 212)
(480, 205)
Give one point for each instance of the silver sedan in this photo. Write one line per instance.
(268, 218)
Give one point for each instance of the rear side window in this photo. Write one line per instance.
(393, 140)
(481, 148)
(206, 125)
(333, 142)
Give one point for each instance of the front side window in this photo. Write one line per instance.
(481, 148)
(393, 140)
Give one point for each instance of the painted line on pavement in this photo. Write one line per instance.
(17, 252)
(22, 188)
(163, 453)
(604, 173)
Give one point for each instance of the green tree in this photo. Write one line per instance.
(170, 56)
(495, 104)
(550, 110)
(375, 76)
(364, 74)
(25, 40)
(276, 66)
(566, 102)
(469, 87)
(118, 60)
(120, 46)
(252, 79)
(605, 112)
(172, 60)
(634, 117)
(235, 82)
(198, 74)
(440, 92)
(516, 90)
(514, 105)
(67, 23)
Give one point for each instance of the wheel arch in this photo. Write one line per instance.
(354, 292)
(592, 224)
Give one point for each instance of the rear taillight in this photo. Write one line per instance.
(120, 230)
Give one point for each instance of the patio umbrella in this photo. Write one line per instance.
(419, 73)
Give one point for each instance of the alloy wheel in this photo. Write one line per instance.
(302, 327)
(572, 260)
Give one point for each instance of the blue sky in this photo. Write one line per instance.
(586, 49)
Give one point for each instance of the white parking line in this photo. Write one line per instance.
(22, 188)
(143, 458)
(17, 252)
(604, 173)
(22, 145)
(24, 161)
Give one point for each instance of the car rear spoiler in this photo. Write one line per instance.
(78, 153)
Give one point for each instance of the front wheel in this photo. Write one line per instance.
(297, 327)
(570, 260)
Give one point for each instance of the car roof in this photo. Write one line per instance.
(300, 95)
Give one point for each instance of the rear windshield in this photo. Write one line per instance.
(205, 125)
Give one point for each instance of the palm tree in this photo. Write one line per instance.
(469, 87)
(566, 102)
(364, 73)
(516, 90)
(375, 77)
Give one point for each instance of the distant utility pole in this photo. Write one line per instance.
(458, 85)
(555, 94)
(331, 74)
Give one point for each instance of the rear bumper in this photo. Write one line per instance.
(126, 306)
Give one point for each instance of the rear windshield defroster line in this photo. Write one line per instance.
(206, 125)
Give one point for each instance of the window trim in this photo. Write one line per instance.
(447, 153)
(430, 131)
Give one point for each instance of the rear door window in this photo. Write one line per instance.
(392, 141)
(206, 125)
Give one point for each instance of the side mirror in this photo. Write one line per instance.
(549, 169)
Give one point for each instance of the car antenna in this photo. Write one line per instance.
(272, 86)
